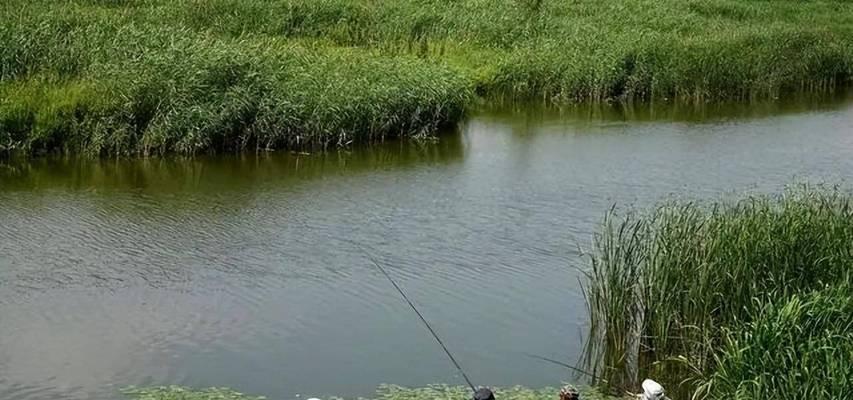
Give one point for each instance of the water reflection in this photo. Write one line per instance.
(665, 111)
(215, 173)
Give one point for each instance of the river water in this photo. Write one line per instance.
(245, 271)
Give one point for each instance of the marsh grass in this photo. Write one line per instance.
(191, 95)
(796, 349)
(222, 75)
(685, 292)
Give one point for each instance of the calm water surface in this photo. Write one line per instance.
(243, 272)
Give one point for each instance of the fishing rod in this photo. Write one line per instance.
(483, 393)
(432, 331)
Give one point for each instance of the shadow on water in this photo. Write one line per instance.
(226, 172)
(714, 112)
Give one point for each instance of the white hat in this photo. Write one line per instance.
(652, 390)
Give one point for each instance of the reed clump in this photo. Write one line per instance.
(327, 72)
(799, 348)
(78, 83)
(748, 299)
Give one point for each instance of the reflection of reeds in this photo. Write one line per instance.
(220, 173)
(686, 281)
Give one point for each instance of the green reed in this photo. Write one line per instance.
(680, 293)
(795, 349)
(73, 82)
(214, 75)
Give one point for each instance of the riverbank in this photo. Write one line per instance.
(384, 393)
(748, 299)
(141, 77)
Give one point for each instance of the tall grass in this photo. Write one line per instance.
(208, 75)
(694, 295)
(796, 349)
(73, 82)
(199, 95)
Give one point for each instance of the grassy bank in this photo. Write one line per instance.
(384, 393)
(105, 81)
(750, 299)
(156, 76)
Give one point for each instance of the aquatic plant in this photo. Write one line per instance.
(182, 393)
(385, 392)
(683, 293)
(391, 392)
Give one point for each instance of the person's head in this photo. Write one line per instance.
(569, 393)
(484, 394)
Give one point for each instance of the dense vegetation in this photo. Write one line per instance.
(155, 76)
(384, 393)
(744, 300)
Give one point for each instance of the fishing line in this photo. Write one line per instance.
(415, 309)
(562, 364)
(612, 391)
